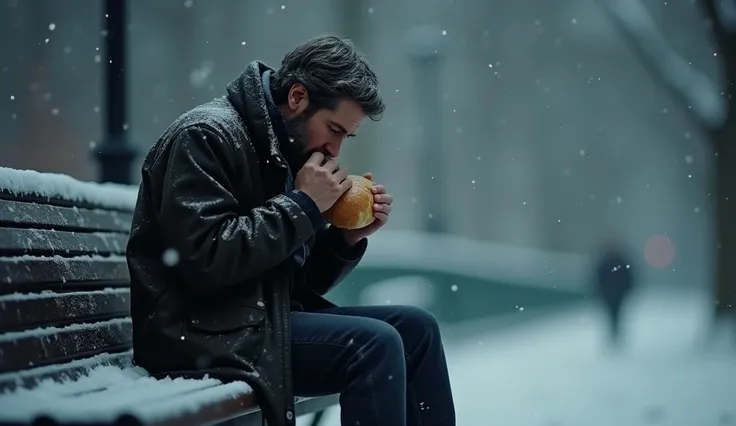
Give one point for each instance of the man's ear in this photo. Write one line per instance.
(298, 99)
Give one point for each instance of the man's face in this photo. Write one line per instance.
(323, 130)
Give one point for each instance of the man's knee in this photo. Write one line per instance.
(418, 319)
(379, 338)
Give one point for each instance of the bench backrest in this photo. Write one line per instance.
(64, 288)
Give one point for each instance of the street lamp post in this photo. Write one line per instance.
(115, 154)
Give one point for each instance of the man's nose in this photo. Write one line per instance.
(333, 148)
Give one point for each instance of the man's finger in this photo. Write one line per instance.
(383, 198)
(331, 165)
(382, 217)
(378, 189)
(316, 158)
(345, 185)
(382, 208)
(341, 174)
(368, 176)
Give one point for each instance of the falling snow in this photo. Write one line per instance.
(170, 257)
(555, 149)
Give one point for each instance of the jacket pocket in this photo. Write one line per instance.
(226, 319)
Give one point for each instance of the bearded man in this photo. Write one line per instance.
(229, 255)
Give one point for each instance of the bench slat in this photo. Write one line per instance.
(174, 407)
(23, 311)
(44, 346)
(16, 273)
(245, 409)
(132, 395)
(5, 194)
(40, 242)
(217, 411)
(72, 370)
(18, 214)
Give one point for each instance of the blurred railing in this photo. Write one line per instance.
(459, 279)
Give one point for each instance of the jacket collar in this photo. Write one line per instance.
(247, 95)
(286, 143)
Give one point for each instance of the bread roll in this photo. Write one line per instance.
(354, 209)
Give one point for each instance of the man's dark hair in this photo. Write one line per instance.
(332, 70)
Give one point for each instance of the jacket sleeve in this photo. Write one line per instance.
(219, 243)
(331, 259)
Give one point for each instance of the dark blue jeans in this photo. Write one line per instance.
(386, 362)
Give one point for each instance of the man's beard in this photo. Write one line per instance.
(297, 131)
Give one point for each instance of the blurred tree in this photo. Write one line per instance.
(712, 107)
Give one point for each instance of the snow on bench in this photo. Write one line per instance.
(65, 261)
(108, 392)
(48, 294)
(68, 371)
(67, 269)
(477, 259)
(72, 301)
(47, 332)
(58, 186)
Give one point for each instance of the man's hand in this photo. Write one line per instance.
(323, 183)
(381, 210)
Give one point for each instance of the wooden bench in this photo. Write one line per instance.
(65, 329)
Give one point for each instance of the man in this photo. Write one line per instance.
(229, 256)
(614, 284)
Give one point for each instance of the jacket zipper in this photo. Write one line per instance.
(286, 332)
(288, 385)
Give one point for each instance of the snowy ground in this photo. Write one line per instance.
(555, 371)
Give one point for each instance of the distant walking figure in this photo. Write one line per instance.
(614, 282)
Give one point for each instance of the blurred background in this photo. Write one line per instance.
(533, 148)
